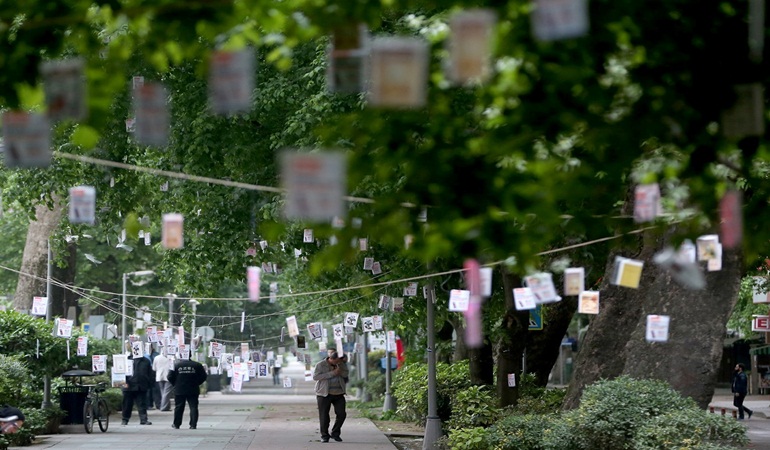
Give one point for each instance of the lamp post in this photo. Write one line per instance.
(194, 304)
(138, 273)
(171, 298)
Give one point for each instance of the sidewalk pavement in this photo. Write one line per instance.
(758, 426)
(227, 421)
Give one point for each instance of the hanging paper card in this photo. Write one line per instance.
(542, 287)
(459, 299)
(82, 346)
(119, 363)
(367, 324)
(682, 267)
(397, 303)
(731, 219)
(118, 380)
(384, 302)
(252, 367)
(627, 273)
(308, 375)
(347, 56)
(399, 72)
(315, 330)
(410, 290)
(363, 244)
(646, 202)
(151, 113)
(287, 382)
(267, 267)
(26, 140)
(715, 263)
(64, 328)
(130, 126)
(236, 382)
(657, 328)
(252, 281)
(262, 370)
(98, 363)
(760, 324)
(511, 380)
(486, 281)
(368, 263)
(82, 204)
(391, 341)
(574, 280)
(39, 306)
(588, 302)
(184, 351)
(470, 46)
(315, 184)
(338, 331)
(137, 81)
(307, 236)
(291, 324)
(215, 350)
(172, 232)
(65, 89)
(376, 268)
(136, 349)
(377, 322)
(746, 116)
(152, 334)
(263, 245)
(524, 298)
(706, 246)
(146, 238)
(559, 19)
(686, 252)
(231, 81)
(351, 319)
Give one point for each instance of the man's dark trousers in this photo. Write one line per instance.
(324, 406)
(179, 401)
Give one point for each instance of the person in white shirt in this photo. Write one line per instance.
(161, 366)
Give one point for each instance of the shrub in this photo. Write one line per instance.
(474, 406)
(15, 375)
(689, 430)
(375, 385)
(410, 388)
(530, 432)
(466, 439)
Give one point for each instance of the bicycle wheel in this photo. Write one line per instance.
(103, 415)
(88, 416)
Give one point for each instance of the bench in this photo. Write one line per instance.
(723, 410)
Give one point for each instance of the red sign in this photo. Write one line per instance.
(760, 323)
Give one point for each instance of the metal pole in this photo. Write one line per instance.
(433, 423)
(47, 378)
(390, 404)
(194, 304)
(123, 317)
(171, 310)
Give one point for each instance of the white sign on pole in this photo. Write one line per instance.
(39, 306)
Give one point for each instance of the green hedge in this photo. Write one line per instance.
(410, 388)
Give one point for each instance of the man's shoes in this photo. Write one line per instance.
(176, 427)
(750, 413)
(166, 409)
(337, 438)
(124, 422)
(193, 427)
(146, 423)
(324, 439)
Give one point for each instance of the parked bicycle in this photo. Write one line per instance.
(96, 408)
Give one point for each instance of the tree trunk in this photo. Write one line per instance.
(511, 347)
(62, 299)
(543, 350)
(33, 266)
(615, 342)
(460, 349)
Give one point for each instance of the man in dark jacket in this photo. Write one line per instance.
(740, 389)
(186, 378)
(138, 384)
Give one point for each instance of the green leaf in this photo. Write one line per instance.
(85, 136)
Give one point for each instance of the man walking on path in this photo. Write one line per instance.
(136, 391)
(740, 388)
(160, 366)
(330, 375)
(186, 378)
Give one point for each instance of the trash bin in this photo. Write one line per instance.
(393, 364)
(214, 382)
(71, 400)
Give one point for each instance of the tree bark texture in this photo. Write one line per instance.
(543, 348)
(511, 347)
(63, 298)
(32, 280)
(615, 342)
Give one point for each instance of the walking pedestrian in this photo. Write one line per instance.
(330, 375)
(277, 372)
(186, 378)
(740, 389)
(136, 389)
(161, 367)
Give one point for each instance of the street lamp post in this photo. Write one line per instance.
(171, 298)
(194, 304)
(123, 310)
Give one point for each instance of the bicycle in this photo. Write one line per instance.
(96, 408)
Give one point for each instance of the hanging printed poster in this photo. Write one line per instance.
(315, 184)
(82, 204)
(64, 84)
(231, 81)
(399, 74)
(26, 139)
(470, 46)
(172, 231)
(657, 328)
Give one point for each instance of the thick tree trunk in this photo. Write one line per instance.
(615, 342)
(543, 350)
(460, 349)
(511, 347)
(62, 298)
(33, 266)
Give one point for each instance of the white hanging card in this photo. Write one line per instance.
(287, 382)
(524, 298)
(397, 304)
(715, 263)
(368, 263)
(391, 341)
(64, 328)
(559, 19)
(410, 290)
(119, 363)
(574, 280)
(82, 204)
(231, 81)
(338, 330)
(542, 287)
(347, 57)
(152, 115)
(459, 299)
(147, 238)
(399, 74)
(511, 380)
(39, 306)
(485, 274)
(136, 349)
(315, 184)
(384, 303)
(470, 46)
(706, 246)
(82, 346)
(172, 231)
(376, 268)
(315, 330)
(291, 324)
(307, 236)
(687, 252)
(253, 274)
(646, 202)
(64, 84)
(152, 333)
(377, 322)
(588, 302)
(98, 363)
(363, 244)
(351, 319)
(26, 140)
(367, 324)
(236, 382)
(657, 328)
